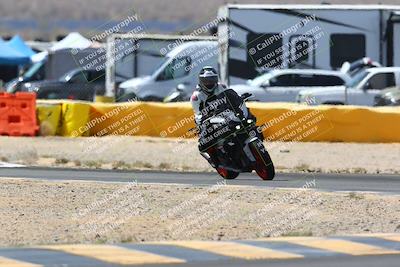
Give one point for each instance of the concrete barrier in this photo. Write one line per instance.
(49, 118)
(293, 122)
(141, 118)
(73, 115)
(277, 121)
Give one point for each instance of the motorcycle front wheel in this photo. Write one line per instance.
(227, 174)
(263, 166)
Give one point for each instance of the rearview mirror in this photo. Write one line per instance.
(245, 96)
(367, 86)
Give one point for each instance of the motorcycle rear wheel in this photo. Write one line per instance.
(227, 174)
(264, 166)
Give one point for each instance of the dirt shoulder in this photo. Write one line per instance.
(182, 155)
(41, 212)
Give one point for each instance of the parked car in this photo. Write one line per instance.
(284, 85)
(388, 97)
(181, 66)
(55, 65)
(77, 84)
(355, 67)
(361, 90)
(34, 73)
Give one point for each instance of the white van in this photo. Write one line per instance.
(181, 66)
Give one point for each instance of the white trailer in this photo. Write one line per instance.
(263, 37)
(136, 55)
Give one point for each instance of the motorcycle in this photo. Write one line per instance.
(234, 146)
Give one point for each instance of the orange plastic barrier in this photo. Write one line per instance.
(18, 114)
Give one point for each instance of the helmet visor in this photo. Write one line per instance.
(209, 82)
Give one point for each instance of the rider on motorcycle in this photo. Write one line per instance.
(211, 97)
(208, 91)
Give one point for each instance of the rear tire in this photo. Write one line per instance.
(333, 103)
(264, 166)
(227, 174)
(152, 99)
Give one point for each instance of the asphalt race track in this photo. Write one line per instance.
(365, 261)
(349, 251)
(327, 257)
(389, 184)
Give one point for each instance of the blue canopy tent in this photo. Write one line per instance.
(11, 56)
(19, 44)
(14, 54)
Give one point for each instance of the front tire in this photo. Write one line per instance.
(263, 166)
(227, 174)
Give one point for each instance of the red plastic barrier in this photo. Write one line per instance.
(18, 114)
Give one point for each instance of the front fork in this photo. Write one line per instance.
(215, 162)
(207, 156)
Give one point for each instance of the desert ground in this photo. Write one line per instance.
(35, 212)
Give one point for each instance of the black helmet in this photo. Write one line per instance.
(208, 79)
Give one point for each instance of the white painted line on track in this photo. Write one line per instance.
(10, 165)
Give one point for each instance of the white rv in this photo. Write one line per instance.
(264, 37)
(180, 66)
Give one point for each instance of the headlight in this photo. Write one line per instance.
(386, 100)
(301, 98)
(29, 87)
(11, 87)
(394, 101)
